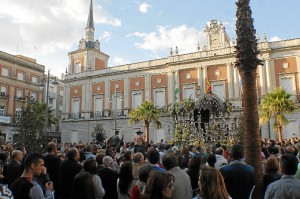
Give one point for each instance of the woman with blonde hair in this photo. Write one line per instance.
(271, 172)
(211, 184)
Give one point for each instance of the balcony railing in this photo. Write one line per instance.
(19, 98)
(97, 114)
(75, 116)
(3, 95)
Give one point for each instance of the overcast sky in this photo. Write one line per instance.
(130, 30)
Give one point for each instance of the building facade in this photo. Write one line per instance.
(95, 93)
(20, 78)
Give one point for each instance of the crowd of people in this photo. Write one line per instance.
(147, 171)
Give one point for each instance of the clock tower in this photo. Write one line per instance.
(216, 36)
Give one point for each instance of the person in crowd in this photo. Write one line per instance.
(182, 184)
(99, 160)
(83, 186)
(125, 180)
(153, 158)
(109, 178)
(90, 166)
(112, 154)
(67, 171)
(288, 186)
(194, 172)
(52, 163)
(211, 184)
(138, 189)
(211, 160)
(159, 186)
(138, 161)
(89, 152)
(271, 171)
(238, 177)
(192, 150)
(25, 187)
(290, 150)
(221, 161)
(14, 167)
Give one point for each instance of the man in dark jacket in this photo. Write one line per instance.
(14, 167)
(52, 162)
(67, 171)
(109, 178)
(238, 177)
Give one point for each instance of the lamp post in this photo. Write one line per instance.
(115, 114)
(54, 82)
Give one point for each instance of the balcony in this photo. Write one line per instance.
(3, 95)
(4, 119)
(20, 98)
(97, 114)
(75, 116)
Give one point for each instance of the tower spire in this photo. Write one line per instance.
(89, 29)
(90, 21)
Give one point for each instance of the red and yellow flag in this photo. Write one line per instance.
(208, 86)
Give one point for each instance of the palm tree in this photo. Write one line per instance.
(275, 105)
(247, 63)
(147, 113)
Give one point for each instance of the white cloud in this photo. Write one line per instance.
(275, 38)
(186, 38)
(120, 61)
(105, 36)
(51, 26)
(144, 7)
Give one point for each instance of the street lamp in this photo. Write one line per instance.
(116, 105)
(54, 82)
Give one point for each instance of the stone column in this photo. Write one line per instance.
(268, 75)
(106, 97)
(298, 74)
(177, 87)
(147, 87)
(171, 88)
(204, 75)
(237, 97)
(200, 78)
(262, 80)
(230, 81)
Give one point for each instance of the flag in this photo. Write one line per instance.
(208, 86)
(176, 91)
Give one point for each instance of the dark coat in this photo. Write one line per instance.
(239, 179)
(52, 163)
(14, 170)
(109, 179)
(67, 171)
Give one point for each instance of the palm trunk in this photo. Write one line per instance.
(279, 130)
(147, 131)
(252, 139)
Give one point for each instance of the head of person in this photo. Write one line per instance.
(17, 155)
(219, 151)
(169, 160)
(117, 132)
(290, 150)
(211, 160)
(236, 152)
(288, 164)
(211, 184)
(271, 165)
(34, 163)
(128, 156)
(153, 156)
(51, 148)
(89, 148)
(83, 186)
(159, 185)
(125, 177)
(144, 172)
(108, 162)
(99, 158)
(73, 153)
(90, 166)
(138, 158)
(195, 163)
